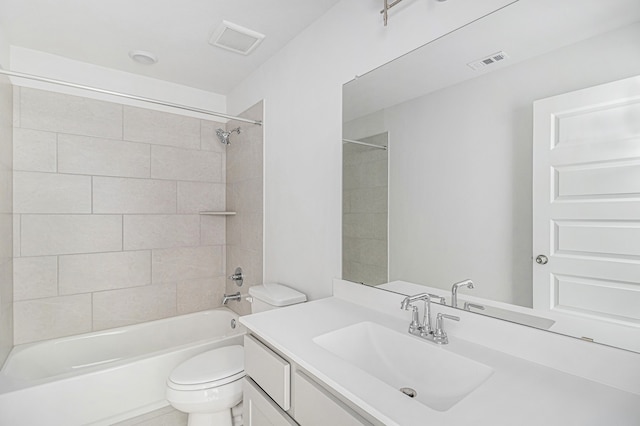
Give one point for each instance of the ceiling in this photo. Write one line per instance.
(177, 31)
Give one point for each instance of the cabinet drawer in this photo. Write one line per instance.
(316, 407)
(269, 370)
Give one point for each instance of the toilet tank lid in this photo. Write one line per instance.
(277, 294)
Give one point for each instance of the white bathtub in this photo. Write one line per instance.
(107, 376)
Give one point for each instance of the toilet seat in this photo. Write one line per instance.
(209, 369)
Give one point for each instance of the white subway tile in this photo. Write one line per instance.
(84, 273)
(53, 317)
(194, 197)
(70, 234)
(115, 308)
(130, 196)
(161, 128)
(36, 192)
(161, 231)
(182, 164)
(34, 150)
(55, 112)
(177, 264)
(35, 277)
(94, 156)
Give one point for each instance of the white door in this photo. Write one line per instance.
(586, 202)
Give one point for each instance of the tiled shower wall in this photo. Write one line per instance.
(365, 211)
(245, 197)
(6, 211)
(106, 224)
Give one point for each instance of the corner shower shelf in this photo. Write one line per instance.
(218, 213)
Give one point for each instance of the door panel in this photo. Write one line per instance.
(586, 173)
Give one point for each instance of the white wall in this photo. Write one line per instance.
(302, 88)
(43, 64)
(461, 159)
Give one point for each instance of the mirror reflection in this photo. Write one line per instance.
(457, 116)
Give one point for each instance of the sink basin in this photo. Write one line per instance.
(439, 377)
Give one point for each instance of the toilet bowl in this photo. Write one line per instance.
(208, 385)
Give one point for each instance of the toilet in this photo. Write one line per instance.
(208, 386)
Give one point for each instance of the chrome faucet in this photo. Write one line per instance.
(415, 327)
(234, 296)
(439, 336)
(454, 291)
(424, 329)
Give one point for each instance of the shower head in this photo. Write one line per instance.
(223, 135)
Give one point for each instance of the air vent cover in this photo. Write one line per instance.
(235, 38)
(489, 60)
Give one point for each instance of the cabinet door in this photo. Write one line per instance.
(316, 407)
(260, 410)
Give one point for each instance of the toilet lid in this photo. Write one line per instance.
(213, 368)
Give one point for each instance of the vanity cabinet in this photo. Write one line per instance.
(278, 392)
(260, 409)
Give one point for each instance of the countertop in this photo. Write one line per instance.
(519, 392)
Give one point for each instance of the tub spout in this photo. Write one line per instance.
(234, 296)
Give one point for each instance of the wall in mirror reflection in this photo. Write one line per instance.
(460, 166)
(364, 210)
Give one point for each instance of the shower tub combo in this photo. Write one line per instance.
(107, 376)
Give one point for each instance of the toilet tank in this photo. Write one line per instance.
(272, 295)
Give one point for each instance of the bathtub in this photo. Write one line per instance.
(108, 376)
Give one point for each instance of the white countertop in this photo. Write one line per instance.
(519, 392)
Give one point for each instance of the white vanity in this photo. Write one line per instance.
(342, 360)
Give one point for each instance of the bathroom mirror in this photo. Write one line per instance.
(457, 117)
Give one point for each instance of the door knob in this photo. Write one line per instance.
(541, 259)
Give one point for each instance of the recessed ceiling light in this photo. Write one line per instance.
(143, 57)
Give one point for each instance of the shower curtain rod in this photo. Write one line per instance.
(124, 95)
(365, 144)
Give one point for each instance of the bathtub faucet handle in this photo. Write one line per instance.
(237, 277)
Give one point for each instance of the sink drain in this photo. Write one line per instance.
(411, 393)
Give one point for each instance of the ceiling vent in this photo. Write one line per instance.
(489, 60)
(236, 38)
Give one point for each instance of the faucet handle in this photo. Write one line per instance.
(415, 326)
(441, 299)
(439, 336)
